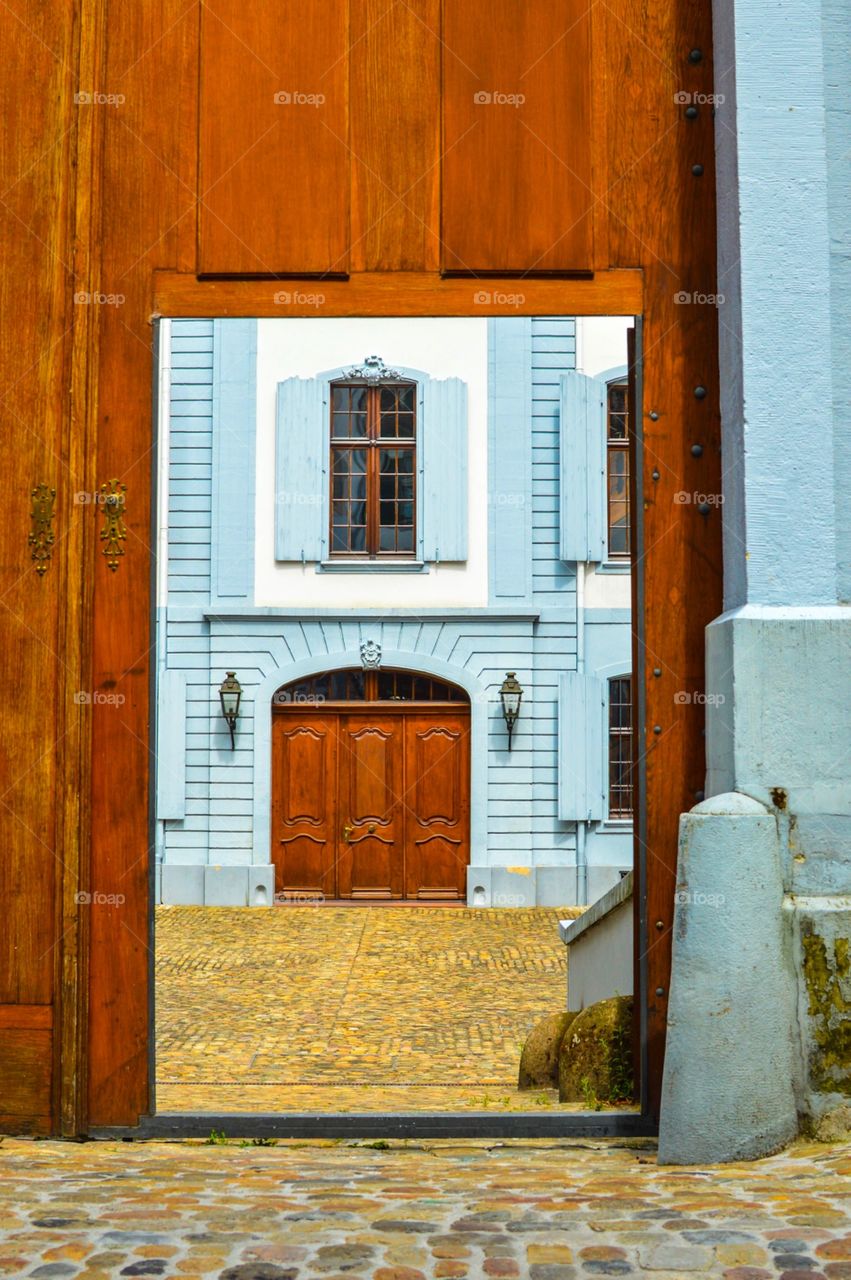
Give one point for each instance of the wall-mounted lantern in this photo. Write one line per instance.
(230, 692)
(510, 694)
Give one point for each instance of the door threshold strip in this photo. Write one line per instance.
(377, 1125)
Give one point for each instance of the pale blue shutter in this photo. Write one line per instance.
(583, 468)
(581, 718)
(171, 745)
(300, 470)
(443, 469)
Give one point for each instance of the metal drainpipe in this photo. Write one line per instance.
(581, 827)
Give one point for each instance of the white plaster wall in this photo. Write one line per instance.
(601, 343)
(444, 348)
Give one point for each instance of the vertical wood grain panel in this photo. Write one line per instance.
(273, 146)
(37, 121)
(395, 135)
(662, 216)
(148, 193)
(517, 147)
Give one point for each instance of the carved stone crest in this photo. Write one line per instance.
(370, 655)
(373, 369)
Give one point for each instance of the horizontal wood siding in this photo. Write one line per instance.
(553, 581)
(187, 647)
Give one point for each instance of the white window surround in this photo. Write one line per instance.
(446, 348)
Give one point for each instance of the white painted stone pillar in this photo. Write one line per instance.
(727, 1091)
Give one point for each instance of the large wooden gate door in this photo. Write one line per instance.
(205, 158)
(371, 806)
(437, 806)
(304, 805)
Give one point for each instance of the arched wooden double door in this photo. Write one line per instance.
(371, 787)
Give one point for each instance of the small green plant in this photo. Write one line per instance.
(589, 1097)
(216, 1139)
(378, 1145)
(259, 1142)
(620, 1068)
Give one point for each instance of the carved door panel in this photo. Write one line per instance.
(304, 818)
(437, 805)
(371, 806)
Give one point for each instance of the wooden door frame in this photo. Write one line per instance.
(102, 1002)
(445, 297)
(451, 297)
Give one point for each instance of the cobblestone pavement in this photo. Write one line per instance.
(352, 1008)
(547, 1211)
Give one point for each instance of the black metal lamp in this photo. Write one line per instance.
(511, 694)
(230, 692)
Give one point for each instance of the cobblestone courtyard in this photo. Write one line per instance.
(351, 1008)
(466, 1211)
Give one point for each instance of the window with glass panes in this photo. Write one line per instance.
(373, 470)
(620, 747)
(617, 470)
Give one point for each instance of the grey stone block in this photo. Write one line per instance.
(182, 886)
(512, 888)
(555, 886)
(261, 886)
(225, 886)
(478, 886)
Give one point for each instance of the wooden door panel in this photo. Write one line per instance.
(370, 806)
(304, 825)
(395, 135)
(517, 163)
(437, 839)
(273, 148)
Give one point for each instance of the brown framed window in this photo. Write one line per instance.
(355, 685)
(617, 470)
(373, 470)
(620, 747)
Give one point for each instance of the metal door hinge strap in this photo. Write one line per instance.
(112, 535)
(42, 537)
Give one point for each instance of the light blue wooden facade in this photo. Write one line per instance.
(213, 823)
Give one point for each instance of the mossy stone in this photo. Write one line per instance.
(595, 1059)
(539, 1059)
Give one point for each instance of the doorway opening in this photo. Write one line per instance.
(372, 548)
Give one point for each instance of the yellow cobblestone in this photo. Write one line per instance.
(352, 1008)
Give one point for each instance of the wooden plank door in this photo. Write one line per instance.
(304, 810)
(370, 805)
(437, 805)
